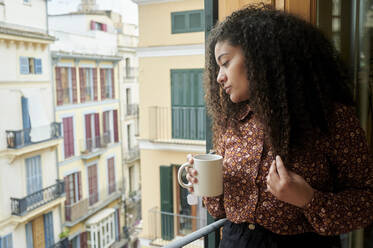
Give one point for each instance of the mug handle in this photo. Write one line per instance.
(179, 174)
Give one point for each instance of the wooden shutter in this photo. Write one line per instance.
(67, 190)
(83, 240)
(38, 66)
(167, 221)
(38, 232)
(48, 229)
(95, 95)
(179, 22)
(115, 117)
(102, 83)
(104, 117)
(92, 180)
(82, 83)
(93, 25)
(111, 175)
(68, 134)
(24, 65)
(79, 186)
(59, 90)
(73, 83)
(88, 132)
(112, 83)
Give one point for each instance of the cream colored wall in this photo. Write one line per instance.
(151, 160)
(155, 83)
(155, 24)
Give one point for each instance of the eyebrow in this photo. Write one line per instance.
(221, 55)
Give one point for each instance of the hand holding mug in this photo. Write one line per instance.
(191, 173)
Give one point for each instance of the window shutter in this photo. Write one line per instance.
(112, 83)
(88, 132)
(111, 175)
(179, 24)
(79, 185)
(29, 241)
(73, 79)
(59, 86)
(95, 84)
(93, 25)
(196, 21)
(38, 66)
(24, 65)
(115, 117)
(102, 83)
(104, 27)
(82, 84)
(83, 240)
(97, 125)
(167, 221)
(48, 229)
(104, 116)
(67, 190)
(65, 126)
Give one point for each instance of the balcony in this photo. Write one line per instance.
(22, 206)
(132, 154)
(184, 125)
(132, 110)
(63, 243)
(26, 137)
(166, 227)
(92, 147)
(133, 211)
(131, 73)
(85, 207)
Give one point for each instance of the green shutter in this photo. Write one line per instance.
(167, 220)
(187, 21)
(188, 110)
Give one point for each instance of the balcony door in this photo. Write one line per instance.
(92, 184)
(92, 131)
(34, 180)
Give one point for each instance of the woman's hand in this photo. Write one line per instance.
(288, 186)
(191, 173)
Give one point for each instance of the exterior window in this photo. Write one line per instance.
(102, 233)
(129, 143)
(107, 83)
(34, 179)
(68, 137)
(132, 178)
(88, 84)
(187, 21)
(6, 241)
(30, 65)
(111, 175)
(73, 188)
(92, 132)
(66, 85)
(188, 109)
(98, 26)
(110, 122)
(92, 184)
(48, 229)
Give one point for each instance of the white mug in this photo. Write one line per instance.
(210, 175)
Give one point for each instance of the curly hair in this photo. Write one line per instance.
(295, 76)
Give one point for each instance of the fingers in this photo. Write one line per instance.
(282, 172)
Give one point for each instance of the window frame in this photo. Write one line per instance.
(187, 15)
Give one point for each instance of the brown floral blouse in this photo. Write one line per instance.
(338, 167)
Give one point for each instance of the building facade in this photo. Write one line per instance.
(172, 112)
(87, 103)
(31, 193)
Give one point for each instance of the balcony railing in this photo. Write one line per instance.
(63, 243)
(25, 137)
(131, 72)
(65, 96)
(132, 109)
(24, 205)
(165, 227)
(88, 93)
(96, 143)
(133, 211)
(87, 206)
(177, 123)
(132, 154)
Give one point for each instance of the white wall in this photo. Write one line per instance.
(32, 14)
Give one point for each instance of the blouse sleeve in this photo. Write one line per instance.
(215, 205)
(351, 206)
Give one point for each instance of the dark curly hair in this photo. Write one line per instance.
(295, 76)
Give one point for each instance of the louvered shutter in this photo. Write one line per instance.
(167, 221)
(82, 83)
(112, 84)
(48, 229)
(73, 79)
(79, 186)
(115, 117)
(24, 65)
(59, 86)
(38, 66)
(95, 95)
(93, 25)
(102, 84)
(88, 132)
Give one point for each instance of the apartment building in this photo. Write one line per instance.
(87, 102)
(31, 193)
(172, 112)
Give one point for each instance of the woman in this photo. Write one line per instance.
(297, 170)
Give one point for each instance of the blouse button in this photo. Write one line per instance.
(251, 226)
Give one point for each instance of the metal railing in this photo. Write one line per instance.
(171, 123)
(165, 226)
(132, 154)
(88, 93)
(92, 144)
(201, 233)
(24, 205)
(132, 109)
(133, 210)
(88, 205)
(62, 243)
(131, 72)
(29, 136)
(65, 96)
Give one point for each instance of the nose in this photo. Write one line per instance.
(222, 77)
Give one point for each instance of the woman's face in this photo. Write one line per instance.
(232, 71)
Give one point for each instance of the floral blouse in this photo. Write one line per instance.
(338, 167)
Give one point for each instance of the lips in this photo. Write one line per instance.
(228, 89)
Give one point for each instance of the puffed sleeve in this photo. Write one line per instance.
(215, 205)
(351, 207)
